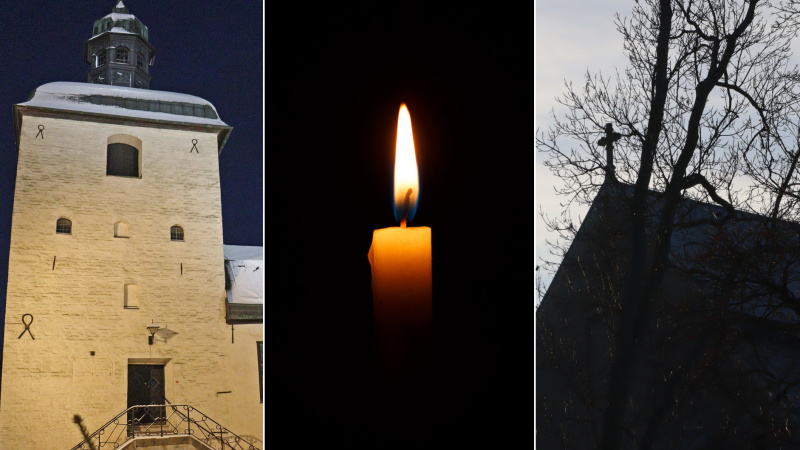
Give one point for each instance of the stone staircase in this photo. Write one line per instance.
(166, 427)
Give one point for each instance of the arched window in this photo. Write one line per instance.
(121, 230)
(122, 161)
(101, 57)
(176, 233)
(123, 156)
(140, 60)
(64, 226)
(122, 55)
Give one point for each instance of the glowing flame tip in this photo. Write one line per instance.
(405, 169)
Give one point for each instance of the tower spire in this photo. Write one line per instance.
(118, 53)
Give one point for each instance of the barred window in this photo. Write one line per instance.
(64, 226)
(176, 233)
(122, 55)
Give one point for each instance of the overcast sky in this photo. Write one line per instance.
(571, 38)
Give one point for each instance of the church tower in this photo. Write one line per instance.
(116, 292)
(118, 52)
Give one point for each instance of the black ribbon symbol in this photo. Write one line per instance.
(194, 146)
(41, 132)
(27, 324)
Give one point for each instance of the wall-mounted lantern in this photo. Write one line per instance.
(152, 328)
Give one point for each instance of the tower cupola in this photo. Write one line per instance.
(119, 53)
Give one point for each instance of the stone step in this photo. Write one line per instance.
(179, 442)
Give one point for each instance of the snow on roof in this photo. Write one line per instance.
(119, 16)
(243, 252)
(71, 96)
(120, 30)
(244, 267)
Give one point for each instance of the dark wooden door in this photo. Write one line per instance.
(145, 387)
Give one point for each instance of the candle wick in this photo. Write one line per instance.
(405, 209)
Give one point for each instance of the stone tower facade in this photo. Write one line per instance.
(117, 225)
(118, 52)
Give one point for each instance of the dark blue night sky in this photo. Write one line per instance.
(213, 50)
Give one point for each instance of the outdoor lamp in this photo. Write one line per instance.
(152, 328)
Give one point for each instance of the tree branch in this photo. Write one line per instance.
(695, 179)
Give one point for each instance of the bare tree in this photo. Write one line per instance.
(706, 110)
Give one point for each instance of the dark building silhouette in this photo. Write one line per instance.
(718, 363)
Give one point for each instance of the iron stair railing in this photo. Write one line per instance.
(247, 438)
(164, 420)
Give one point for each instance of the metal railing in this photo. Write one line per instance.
(164, 420)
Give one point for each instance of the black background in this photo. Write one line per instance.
(336, 76)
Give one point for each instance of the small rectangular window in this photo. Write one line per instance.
(122, 54)
(260, 348)
(131, 296)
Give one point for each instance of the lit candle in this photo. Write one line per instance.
(401, 269)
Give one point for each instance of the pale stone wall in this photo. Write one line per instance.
(78, 304)
(247, 410)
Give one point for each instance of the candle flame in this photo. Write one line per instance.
(405, 168)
